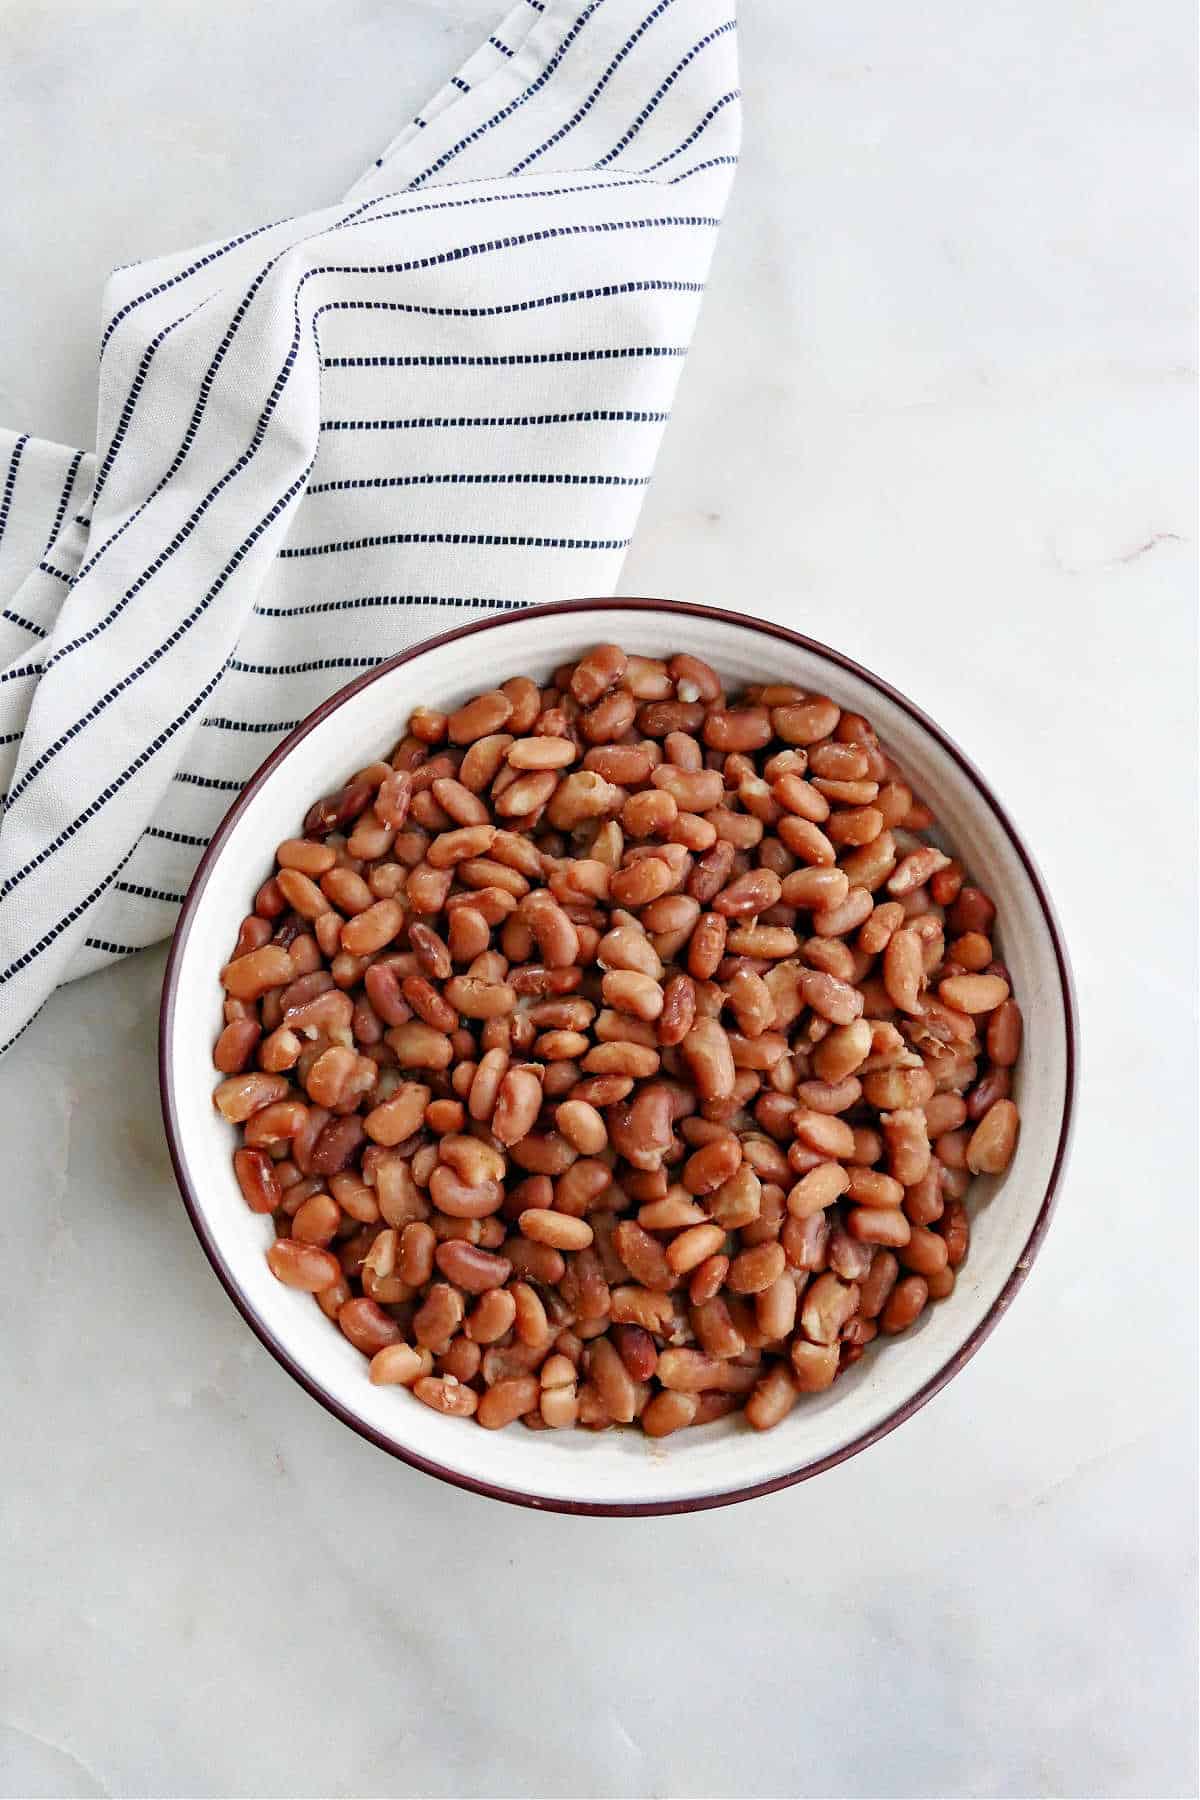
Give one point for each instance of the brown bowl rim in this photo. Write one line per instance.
(428, 1466)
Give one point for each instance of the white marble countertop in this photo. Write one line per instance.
(940, 414)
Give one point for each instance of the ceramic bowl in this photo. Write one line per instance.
(616, 1471)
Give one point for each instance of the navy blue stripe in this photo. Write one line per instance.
(58, 574)
(25, 1027)
(600, 183)
(256, 726)
(515, 240)
(16, 674)
(56, 930)
(101, 801)
(303, 668)
(507, 111)
(609, 292)
(521, 359)
(494, 540)
(373, 600)
(460, 85)
(12, 737)
(706, 121)
(10, 480)
(208, 781)
(499, 480)
(64, 502)
(113, 949)
(25, 624)
(713, 162)
(629, 44)
(147, 893)
(406, 210)
(503, 48)
(131, 398)
(598, 416)
(180, 631)
(177, 837)
(663, 89)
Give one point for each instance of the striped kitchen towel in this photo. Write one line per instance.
(332, 436)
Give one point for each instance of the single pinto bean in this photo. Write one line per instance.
(597, 672)
(814, 1366)
(1004, 1034)
(805, 722)
(835, 1000)
(239, 1096)
(839, 921)
(908, 1145)
(369, 931)
(643, 1256)
(236, 1045)
(749, 894)
(692, 1246)
(694, 679)
(994, 1139)
(399, 1365)
(817, 1190)
(631, 992)
(905, 1304)
(518, 1102)
(712, 1165)
(973, 993)
(367, 1326)
(668, 1412)
(708, 1056)
(827, 1304)
(904, 971)
(479, 717)
(559, 1230)
(878, 1225)
(249, 977)
(506, 1401)
(259, 1182)
(446, 1394)
(842, 1051)
(473, 1270)
(757, 1269)
(737, 729)
(877, 1284)
(773, 1398)
(915, 870)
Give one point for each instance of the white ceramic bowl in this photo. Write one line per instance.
(616, 1471)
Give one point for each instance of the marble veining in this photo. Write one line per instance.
(940, 413)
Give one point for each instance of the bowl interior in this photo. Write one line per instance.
(616, 1469)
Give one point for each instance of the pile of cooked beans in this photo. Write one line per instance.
(619, 1051)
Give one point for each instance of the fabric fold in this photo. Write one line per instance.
(329, 437)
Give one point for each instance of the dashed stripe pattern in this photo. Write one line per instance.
(442, 397)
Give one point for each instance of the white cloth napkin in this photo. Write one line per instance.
(332, 436)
